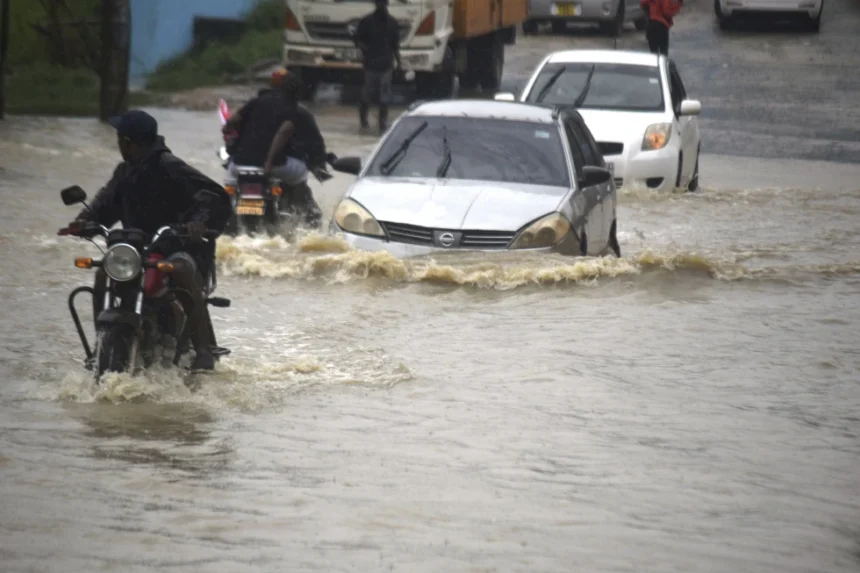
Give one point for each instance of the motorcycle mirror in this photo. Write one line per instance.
(72, 195)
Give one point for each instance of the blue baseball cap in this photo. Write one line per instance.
(136, 125)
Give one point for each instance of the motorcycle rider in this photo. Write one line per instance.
(152, 188)
(282, 136)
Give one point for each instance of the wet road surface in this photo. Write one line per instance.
(692, 406)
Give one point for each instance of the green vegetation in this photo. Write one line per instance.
(224, 61)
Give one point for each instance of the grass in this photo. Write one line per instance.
(224, 62)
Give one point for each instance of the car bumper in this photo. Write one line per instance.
(811, 8)
(329, 58)
(654, 170)
(587, 11)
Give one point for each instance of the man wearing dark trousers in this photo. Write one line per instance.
(661, 15)
(378, 38)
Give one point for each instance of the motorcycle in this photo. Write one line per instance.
(260, 200)
(143, 314)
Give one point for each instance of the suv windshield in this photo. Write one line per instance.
(478, 149)
(621, 87)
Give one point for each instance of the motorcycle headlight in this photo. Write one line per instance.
(353, 218)
(545, 232)
(122, 262)
(657, 136)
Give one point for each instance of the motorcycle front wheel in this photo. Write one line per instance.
(114, 350)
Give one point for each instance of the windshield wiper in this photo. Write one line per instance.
(584, 93)
(389, 164)
(545, 89)
(446, 161)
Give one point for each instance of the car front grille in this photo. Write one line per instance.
(415, 235)
(339, 32)
(610, 148)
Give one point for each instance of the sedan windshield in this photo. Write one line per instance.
(621, 87)
(472, 148)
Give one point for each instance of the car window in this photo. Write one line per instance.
(621, 87)
(590, 154)
(575, 149)
(481, 149)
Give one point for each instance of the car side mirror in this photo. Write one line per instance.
(505, 96)
(350, 165)
(691, 107)
(73, 195)
(592, 176)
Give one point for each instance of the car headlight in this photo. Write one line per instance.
(122, 262)
(544, 232)
(657, 136)
(353, 218)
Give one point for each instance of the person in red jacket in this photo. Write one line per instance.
(660, 18)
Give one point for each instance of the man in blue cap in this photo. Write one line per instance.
(152, 188)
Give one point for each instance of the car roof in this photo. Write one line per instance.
(605, 57)
(484, 109)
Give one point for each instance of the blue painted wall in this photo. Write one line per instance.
(161, 29)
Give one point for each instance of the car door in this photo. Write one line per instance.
(608, 192)
(686, 127)
(596, 230)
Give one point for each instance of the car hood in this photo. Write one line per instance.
(620, 126)
(447, 204)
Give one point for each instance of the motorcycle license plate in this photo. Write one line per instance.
(250, 207)
(566, 9)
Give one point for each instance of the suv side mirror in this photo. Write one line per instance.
(72, 195)
(592, 176)
(690, 107)
(350, 165)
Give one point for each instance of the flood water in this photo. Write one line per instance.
(692, 406)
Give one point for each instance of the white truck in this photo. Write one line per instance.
(439, 40)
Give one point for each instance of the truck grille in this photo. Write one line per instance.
(610, 148)
(415, 235)
(339, 32)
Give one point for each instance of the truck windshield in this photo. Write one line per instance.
(474, 148)
(621, 87)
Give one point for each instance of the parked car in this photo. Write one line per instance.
(636, 106)
(728, 11)
(481, 175)
(610, 15)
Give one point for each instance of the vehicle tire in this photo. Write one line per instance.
(530, 28)
(641, 24)
(491, 79)
(613, 239)
(693, 185)
(250, 223)
(722, 19)
(559, 26)
(583, 244)
(680, 170)
(311, 84)
(114, 350)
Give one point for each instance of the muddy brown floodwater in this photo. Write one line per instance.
(692, 406)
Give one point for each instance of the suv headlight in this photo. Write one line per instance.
(544, 232)
(657, 136)
(122, 262)
(353, 218)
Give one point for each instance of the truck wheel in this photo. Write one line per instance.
(434, 85)
(310, 81)
(492, 77)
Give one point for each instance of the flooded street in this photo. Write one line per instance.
(692, 406)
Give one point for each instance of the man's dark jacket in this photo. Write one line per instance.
(161, 190)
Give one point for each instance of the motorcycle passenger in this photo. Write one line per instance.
(152, 188)
(282, 136)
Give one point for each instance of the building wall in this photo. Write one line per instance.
(161, 29)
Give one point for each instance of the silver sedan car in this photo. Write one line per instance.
(483, 176)
(610, 15)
